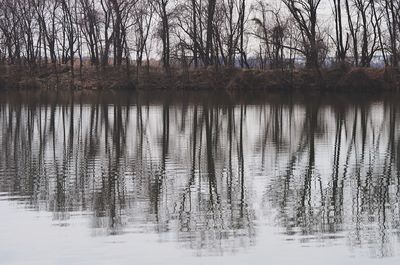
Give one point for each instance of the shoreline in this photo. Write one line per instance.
(223, 79)
(186, 97)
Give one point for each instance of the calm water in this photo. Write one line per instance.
(185, 179)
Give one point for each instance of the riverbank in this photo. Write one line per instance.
(90, 78)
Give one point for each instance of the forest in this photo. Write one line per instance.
(175, 38)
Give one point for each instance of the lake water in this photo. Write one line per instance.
(181, 178)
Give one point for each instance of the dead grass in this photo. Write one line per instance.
(227, 79)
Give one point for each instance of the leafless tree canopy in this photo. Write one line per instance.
(198, 33)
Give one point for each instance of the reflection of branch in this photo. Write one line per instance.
(119, 163)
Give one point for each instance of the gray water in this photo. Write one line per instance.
(179, 178)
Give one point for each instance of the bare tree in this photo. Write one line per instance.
(341, 40)
(90, 28)
(209, 52)
(196, 32)
(161, 8)
(143, 18)
(271, 31)
(305, 12)
(392, 10)
(369, 35)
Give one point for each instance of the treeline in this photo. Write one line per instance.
(198, 33)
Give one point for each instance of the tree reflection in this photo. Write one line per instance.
(350, 193)
(327, 170)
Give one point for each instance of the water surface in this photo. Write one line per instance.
(185, 178)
